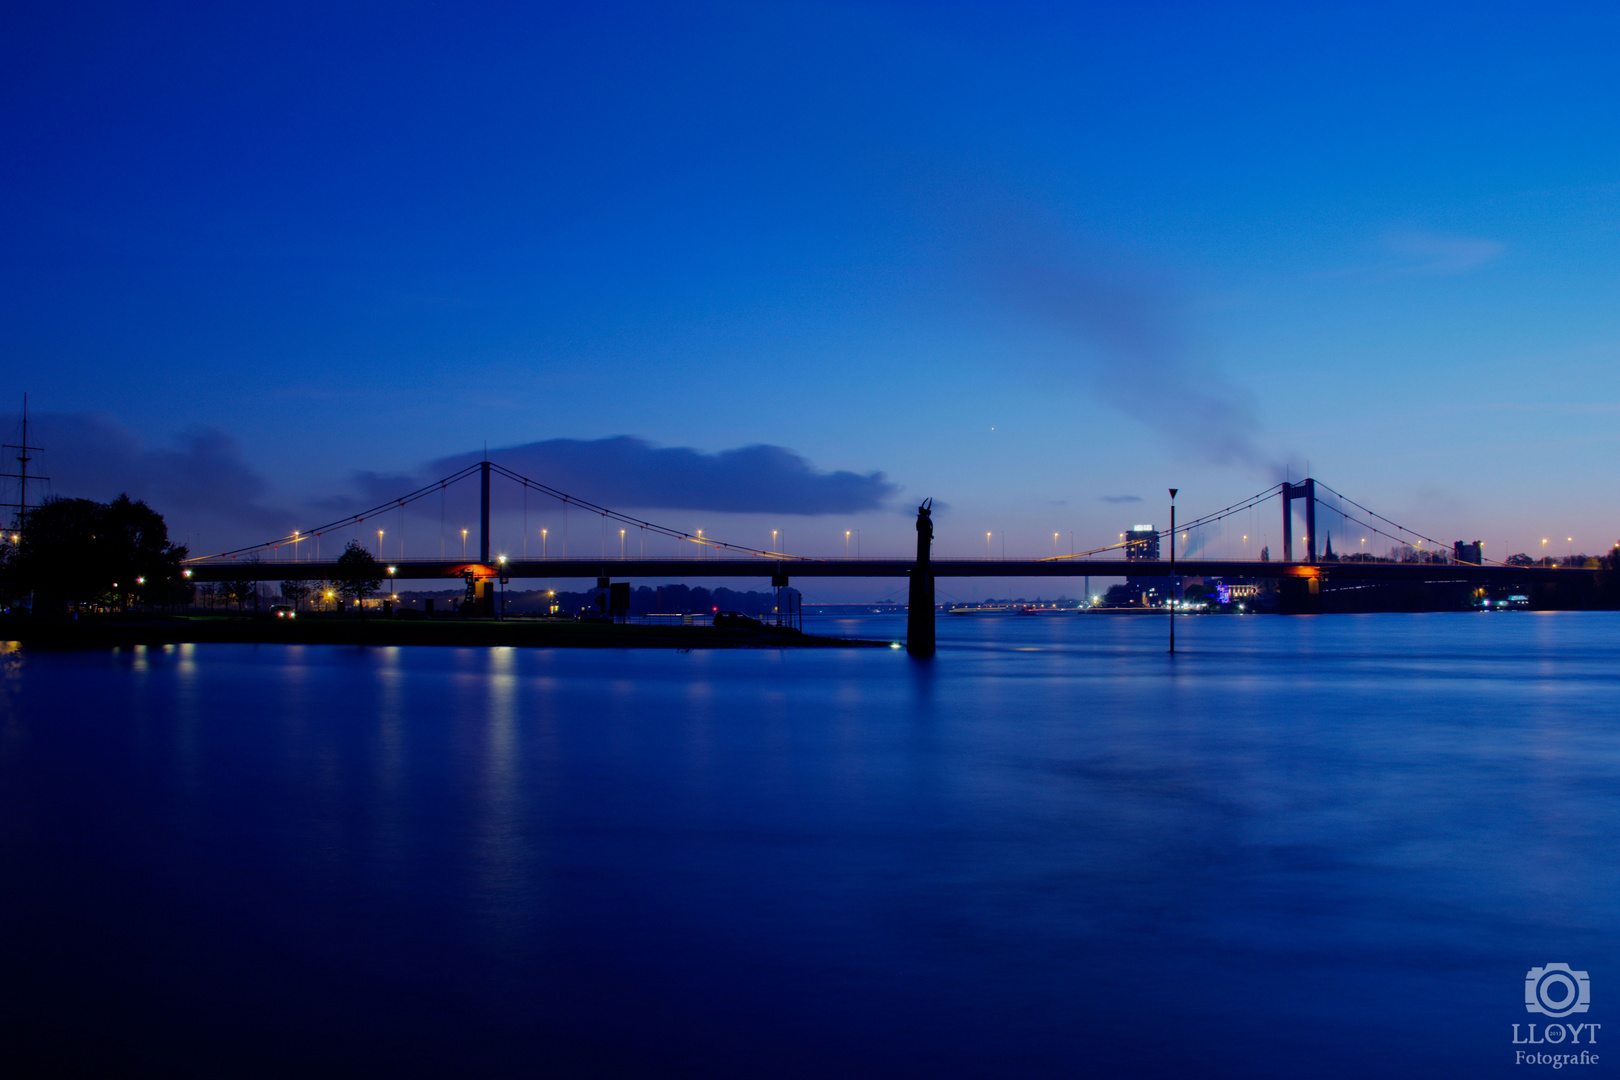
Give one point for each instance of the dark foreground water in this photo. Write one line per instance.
(1301, 847)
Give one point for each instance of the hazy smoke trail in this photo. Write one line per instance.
(1127, 348)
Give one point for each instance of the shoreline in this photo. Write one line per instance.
(98, 633)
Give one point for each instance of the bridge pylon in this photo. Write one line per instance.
(1305, 489)
(483, 513)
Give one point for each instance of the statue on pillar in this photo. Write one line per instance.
(920, 609)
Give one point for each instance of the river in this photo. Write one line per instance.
(1327, 846)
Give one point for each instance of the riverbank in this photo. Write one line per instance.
(523, 633)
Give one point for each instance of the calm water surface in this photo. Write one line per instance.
(1301, 847)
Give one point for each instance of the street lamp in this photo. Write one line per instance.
(379, 543)
(1173, 568)
(846, 543)
(542, 543)
(773, 539)
(463, 543)
(296, 538)
(986, 545)
(621, 543)
(1054, 545)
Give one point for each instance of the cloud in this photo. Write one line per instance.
(199, 482)
(1120, 498)
(629, 473)
(1440, 256)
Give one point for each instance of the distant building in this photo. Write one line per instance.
(1142, 542)
(1473, 553)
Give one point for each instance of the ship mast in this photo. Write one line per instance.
(21, 475)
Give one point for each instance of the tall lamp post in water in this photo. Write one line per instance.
(1173, 568)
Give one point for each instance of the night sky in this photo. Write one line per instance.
(744, 267)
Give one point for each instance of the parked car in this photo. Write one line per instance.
(283, 611)
(736, 620)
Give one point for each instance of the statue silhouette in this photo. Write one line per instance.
(920, 610)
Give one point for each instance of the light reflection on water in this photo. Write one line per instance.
(1325, 846)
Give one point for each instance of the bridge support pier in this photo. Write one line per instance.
(1299, 596)
(920, 605)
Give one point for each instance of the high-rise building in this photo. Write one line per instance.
(1142, 542)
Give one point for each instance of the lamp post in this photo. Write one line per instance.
(621, 543)
(379, 543)
(464, 545)
(542, 543)
(1173, 568)
(846, 544)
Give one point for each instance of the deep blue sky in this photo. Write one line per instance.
(1021, 258)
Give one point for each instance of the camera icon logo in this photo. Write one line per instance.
(1555, 990)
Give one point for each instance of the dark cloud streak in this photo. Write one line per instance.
(198, 481)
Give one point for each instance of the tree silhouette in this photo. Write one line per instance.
(77, 550)
(240, 591)
(358, 573)
(295, 591)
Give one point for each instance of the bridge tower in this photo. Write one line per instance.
(483, 514)
(920, 606)
(1305, 489)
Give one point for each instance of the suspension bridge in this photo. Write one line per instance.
(297, 555)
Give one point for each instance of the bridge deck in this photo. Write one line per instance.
(676, 569)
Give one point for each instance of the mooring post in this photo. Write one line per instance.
(920, 608)
(483, 515)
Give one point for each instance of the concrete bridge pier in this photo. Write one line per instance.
(1299, 596)
(920, 606)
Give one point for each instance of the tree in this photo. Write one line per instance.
(296, 591)
(78, 551)
(240, 590)
(358, 573)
